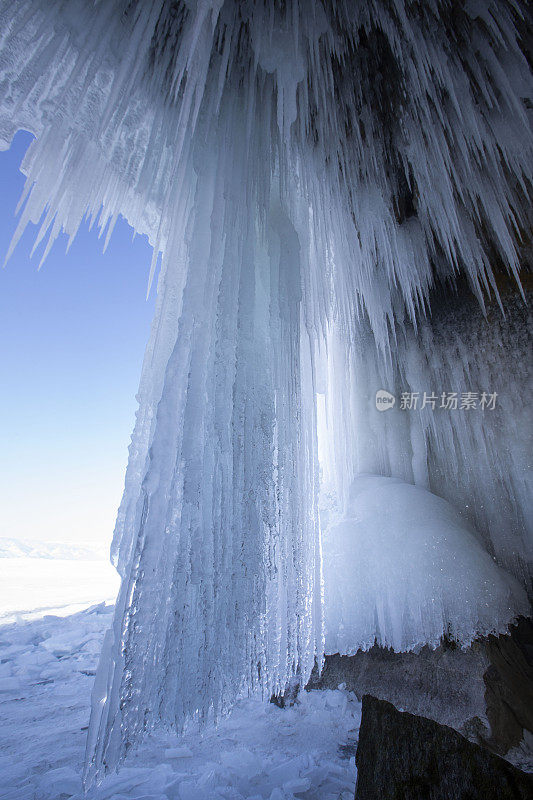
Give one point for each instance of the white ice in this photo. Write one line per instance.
(259, 752)
(403, 569)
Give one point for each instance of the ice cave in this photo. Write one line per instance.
(328, 492)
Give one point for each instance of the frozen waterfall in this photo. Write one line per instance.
(311, 175)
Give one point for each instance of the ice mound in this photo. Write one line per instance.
(402, 569)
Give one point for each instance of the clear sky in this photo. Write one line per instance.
(72, 339)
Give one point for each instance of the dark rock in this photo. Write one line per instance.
(509, 687)
(289, 696)
(485, 692)
(404, 757)
(445, 684)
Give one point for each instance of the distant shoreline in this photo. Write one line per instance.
(66, 551)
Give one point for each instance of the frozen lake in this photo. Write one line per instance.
(51, 632)
(33, 587)
(259, 752)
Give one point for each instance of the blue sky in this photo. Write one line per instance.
(72, 339)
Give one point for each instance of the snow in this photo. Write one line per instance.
(402, 569)
(33, 586)
(305, 174)
(258, 752)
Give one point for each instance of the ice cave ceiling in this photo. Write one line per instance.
(317, 177)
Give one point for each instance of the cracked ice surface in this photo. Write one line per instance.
(259, 752)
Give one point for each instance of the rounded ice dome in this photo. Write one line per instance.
(402, 569)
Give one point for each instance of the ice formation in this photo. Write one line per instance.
(477, 459)
(260, 751)
(307, 172)
(402, 570)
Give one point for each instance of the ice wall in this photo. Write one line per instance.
(307, 172)
(475, 453)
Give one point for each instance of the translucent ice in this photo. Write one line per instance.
(306, 172)
(402, 569)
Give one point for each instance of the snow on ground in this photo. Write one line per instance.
(260, 752)
(31, 587)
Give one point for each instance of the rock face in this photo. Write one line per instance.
(485, 692)
(509, 686)
(404, 757)
(446, 684)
